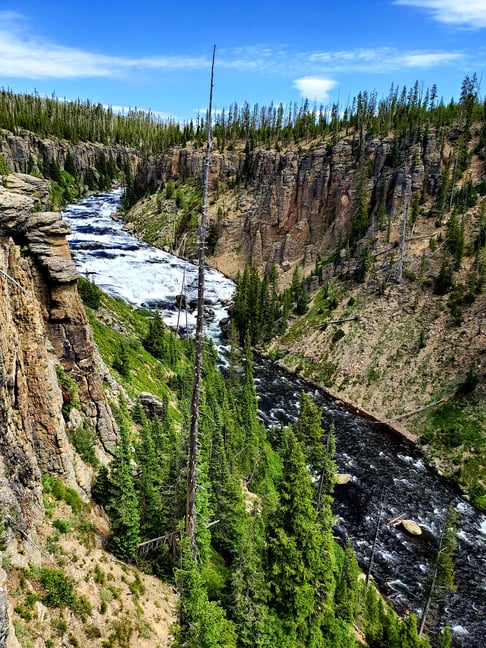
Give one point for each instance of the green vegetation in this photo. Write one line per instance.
(454, 432)
(55, 590)
(259, 310)
(84, 440)
(58, 490)
(4, 167)
(83, 121)
(89, 293)
(405, 112)
(122, 338)
(268, 571)
(69, 389)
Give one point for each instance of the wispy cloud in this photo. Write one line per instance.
(23, 54)
(465, 13)
(382, 59)
(314, 88)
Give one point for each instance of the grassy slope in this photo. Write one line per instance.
(126, 607)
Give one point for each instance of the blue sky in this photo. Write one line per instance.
(156, 55)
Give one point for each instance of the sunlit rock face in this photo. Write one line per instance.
(43, 325)
(293, 206)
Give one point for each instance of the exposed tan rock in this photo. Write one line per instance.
(43, 323)
(343, 478)
(411, 527)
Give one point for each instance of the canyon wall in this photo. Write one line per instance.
(294, 206)
(27, 153)
(44, 331)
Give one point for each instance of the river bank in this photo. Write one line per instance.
(127, 268)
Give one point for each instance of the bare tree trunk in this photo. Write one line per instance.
(190, 523)
(375, 539)
(404, 232)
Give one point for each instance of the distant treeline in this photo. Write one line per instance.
(403, 112)
(84, 121)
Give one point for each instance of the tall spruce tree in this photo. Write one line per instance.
(300, 558)
(123, 505)
(319, 448)
(202, 623)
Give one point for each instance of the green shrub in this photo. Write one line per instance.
(121, 360)
(92, 632)
(55, 487)
(63, 526)
(337, 335)
(82, 607)
(5, 168)
(59, 588)
(69, 389)
(84, 439)
(89, 293)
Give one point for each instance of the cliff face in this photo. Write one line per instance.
(27, 153)
(292, 207)
(43, 326)
(392, 343)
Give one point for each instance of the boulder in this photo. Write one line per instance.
(343, 478)
(411, 527)
(153, 407)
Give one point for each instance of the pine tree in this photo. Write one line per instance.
(202, 623)
(247, 595)
(155, 341)
(251, 432)
(455, 240)
(361, 220)
(319, 448)
(442, 577)
(123, 505)
(347, 586)
(121, 361)
(299, 556)
(298, 293)
(149, 482)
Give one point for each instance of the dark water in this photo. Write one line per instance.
(376, 458)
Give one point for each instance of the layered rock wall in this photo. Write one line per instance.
(291, 207)
(25, 152)
(43, 325)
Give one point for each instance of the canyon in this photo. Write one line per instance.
(390, 345)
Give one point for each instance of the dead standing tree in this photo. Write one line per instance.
(190, 521)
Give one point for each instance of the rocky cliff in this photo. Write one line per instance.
(292, 207)
(390, 234)
(43, 329)
(91, 165)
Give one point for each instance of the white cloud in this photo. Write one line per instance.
(25, 55)
(466, 13)
(314, 88)
(427, 60)
(381, 59)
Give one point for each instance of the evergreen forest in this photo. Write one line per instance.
(266, 570)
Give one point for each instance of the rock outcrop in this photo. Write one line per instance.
(292, 207)
(26, 152)
(43, 326)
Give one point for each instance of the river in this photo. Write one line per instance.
(379, 461)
